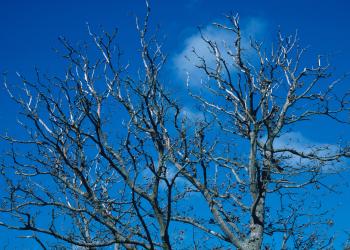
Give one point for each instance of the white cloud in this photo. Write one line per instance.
(185, 62)
(171, 173)
(296, 141)
(192, 116)
(292, 140)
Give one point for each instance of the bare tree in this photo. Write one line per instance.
(110, 159)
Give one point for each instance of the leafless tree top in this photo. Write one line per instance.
(110, 158)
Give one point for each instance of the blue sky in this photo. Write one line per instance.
(30, 29)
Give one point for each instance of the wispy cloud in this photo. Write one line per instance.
(192, 115)
(298, 142)
(185, 62)
(172, 174)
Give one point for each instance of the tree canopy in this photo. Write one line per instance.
(113, 157)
